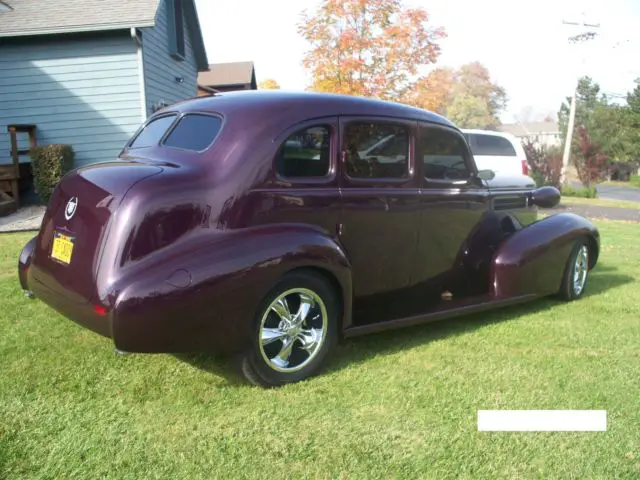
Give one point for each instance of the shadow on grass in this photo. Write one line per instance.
(226, 367)
(359, 349)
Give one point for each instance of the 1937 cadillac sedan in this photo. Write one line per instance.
(272, 224)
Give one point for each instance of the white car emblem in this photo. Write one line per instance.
(71, 208)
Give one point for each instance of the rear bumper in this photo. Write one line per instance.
(140, 321)
(81, 313)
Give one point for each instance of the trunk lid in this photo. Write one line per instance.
(73, 230)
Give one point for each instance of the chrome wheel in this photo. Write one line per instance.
(293, 330)
(580, 269)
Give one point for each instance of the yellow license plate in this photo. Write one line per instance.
(62, 248)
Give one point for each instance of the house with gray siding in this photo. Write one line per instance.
(87, 72)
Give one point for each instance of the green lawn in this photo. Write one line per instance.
(601, 202)
(394, 405)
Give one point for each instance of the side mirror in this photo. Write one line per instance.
(486, 174)
(545, 197)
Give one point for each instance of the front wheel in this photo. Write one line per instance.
(576, 272)
(294, 329)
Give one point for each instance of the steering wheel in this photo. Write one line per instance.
(372, 163)
(452, 168)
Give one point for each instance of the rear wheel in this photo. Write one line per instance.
(576, 272)
(294, 329)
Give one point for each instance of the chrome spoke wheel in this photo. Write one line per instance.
(580, 270)
(293, 330)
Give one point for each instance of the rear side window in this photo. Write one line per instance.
(491, 145)
(305, 153)
(194, 132)
(152, 132)
(377, 150)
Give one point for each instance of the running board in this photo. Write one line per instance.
(456, 311)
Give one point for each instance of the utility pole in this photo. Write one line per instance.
(572, 110)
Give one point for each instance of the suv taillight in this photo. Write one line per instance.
(525, 167)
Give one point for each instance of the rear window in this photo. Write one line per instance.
(490, 145)
(194, 132)
(152, 132)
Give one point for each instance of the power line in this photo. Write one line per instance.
(581, 37)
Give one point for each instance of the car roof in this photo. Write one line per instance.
(314, 104)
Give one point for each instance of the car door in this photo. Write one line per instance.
(379, 211)
(302, 186)
(452, 203)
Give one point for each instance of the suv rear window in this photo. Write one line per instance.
(194, 132)
(490, 145)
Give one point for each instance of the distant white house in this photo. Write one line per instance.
(543, 133)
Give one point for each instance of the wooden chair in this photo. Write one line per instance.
(10, 174)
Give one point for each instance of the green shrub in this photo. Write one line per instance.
(48, 164)
(583, 192)
(634, 180)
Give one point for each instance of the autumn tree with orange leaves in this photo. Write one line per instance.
(370, 48)
(269, 84)
(467, 95)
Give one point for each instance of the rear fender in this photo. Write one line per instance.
(533, 259)
(208, 296)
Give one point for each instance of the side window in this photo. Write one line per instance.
(306, 153)
(444, 154)
(194, 132)
(152, 132)
(376, 150)
(176, 29)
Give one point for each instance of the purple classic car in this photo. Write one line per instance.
(271, 225)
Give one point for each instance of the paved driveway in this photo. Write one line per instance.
(615, 192)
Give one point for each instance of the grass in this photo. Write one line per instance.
(394, 405)
(600, 202)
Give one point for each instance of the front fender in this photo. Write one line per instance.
(205, 298)
(532, 260)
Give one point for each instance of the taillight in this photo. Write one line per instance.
(525, 167)
(100, 310)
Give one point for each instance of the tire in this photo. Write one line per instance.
(574, 282)
(306, 321)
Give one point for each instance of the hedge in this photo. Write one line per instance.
(49, 163)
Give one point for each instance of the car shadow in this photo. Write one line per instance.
(225, 367)
(359, 349)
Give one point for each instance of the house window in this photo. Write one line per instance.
(176, 29)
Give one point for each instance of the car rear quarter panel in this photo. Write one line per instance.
(208, 298)
(532, 260)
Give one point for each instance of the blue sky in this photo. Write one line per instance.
(524, 44)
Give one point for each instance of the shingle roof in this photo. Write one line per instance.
(533, 128)
(234, 73)
(36, 17)
(32, 17)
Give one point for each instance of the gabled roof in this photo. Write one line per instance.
(37, 17)
(532, 128)
(234, 73)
